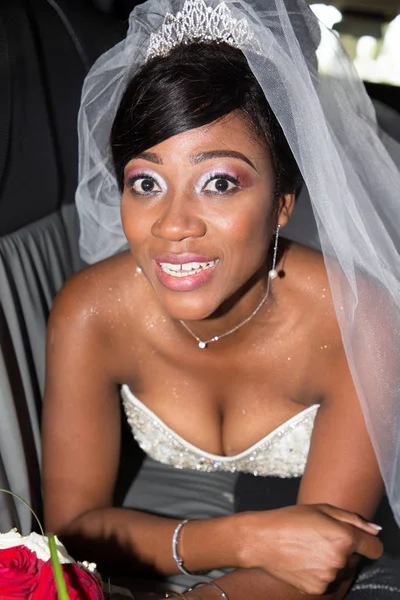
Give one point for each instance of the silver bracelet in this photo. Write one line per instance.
(213, 585)
(175, 553)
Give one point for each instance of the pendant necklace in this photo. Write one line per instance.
(204, 343)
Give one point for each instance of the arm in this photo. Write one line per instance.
(341, 471)
(81, 446)
(255, 584)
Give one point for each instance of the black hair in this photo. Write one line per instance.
(192, 86)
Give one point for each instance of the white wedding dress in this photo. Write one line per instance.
(281, 453)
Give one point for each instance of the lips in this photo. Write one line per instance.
(184, 272)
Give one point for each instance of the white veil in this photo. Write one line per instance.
(352, 179)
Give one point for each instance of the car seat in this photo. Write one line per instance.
(46, 48)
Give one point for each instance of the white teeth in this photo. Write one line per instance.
(185, 269)
(192, 266)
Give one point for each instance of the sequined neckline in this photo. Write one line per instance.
(130, 397)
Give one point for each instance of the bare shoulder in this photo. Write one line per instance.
(92, 322)
(97, 295)
(309, 295)
(307, 280)
(309, 290)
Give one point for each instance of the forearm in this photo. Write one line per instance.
(302, 555)
(256, 584)
(132, 539)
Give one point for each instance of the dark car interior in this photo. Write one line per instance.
(46, 49)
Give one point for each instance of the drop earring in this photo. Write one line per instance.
(273, 273)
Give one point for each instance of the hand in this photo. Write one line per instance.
(306, 546)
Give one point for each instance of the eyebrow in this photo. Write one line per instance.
(150, 156)
(220, 154)
(198, 158)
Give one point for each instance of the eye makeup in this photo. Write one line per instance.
(232, 185)
(208, 178)
(154, 182)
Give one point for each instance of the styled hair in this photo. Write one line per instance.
(193, 86)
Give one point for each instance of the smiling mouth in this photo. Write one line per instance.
(186, 269)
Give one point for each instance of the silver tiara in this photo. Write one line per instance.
(197, 22)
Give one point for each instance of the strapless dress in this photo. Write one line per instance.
(281, 453)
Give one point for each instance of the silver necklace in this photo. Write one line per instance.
(202, 344)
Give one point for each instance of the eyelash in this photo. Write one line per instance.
(216, 176)
(130, 182)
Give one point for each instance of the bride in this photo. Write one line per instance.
(233, 349)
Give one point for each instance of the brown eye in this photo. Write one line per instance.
(143, 185)
(221, 185)
(147, 185)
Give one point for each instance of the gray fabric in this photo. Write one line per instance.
(378, 581)
(176, 493)
(34, 263)
(183, 494)
(11, 453)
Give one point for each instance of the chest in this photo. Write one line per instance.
(226, 405)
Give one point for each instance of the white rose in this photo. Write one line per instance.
(36, 543)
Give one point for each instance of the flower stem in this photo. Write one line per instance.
(62, 592)
(26, 504)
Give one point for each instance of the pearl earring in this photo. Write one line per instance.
(138, 270)
(273, 273)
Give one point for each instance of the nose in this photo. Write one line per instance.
(179, 220)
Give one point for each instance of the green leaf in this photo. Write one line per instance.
(57, 569)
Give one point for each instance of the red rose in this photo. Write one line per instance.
(19, 572)
(81, 585)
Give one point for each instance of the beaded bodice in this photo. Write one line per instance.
(281, 453)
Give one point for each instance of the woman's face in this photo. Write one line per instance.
(198, 213)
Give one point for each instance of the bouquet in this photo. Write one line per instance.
(26, 570)
(38, 567)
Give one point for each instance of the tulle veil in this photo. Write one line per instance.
(350, 172)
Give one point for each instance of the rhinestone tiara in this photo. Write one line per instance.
(197, 22)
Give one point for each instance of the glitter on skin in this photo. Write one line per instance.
(93, 310)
